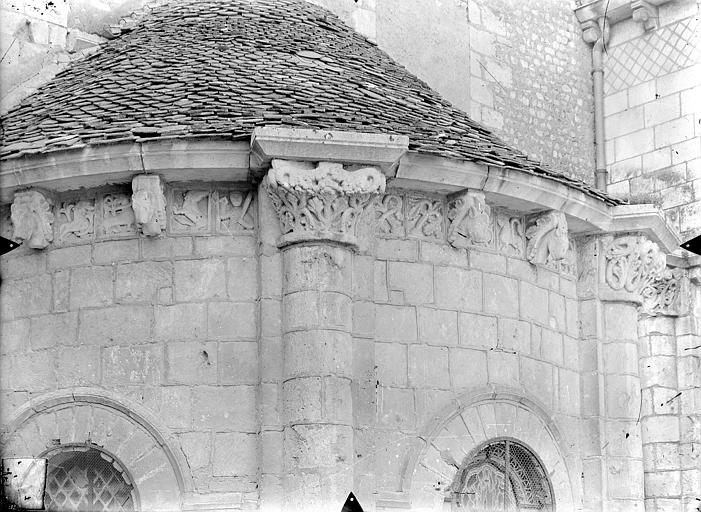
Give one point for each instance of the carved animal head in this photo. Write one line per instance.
(32, 219)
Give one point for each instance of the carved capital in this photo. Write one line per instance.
(323, 201)
(149, 204)
(664, 295)
(633, 263)
(548, 240)
(32, 219)
(645, 13)
(470, 220)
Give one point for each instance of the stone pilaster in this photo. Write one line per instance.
(322, 209)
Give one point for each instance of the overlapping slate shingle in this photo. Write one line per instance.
(223, 67)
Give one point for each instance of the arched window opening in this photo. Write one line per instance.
(504, 476)
(82, 478)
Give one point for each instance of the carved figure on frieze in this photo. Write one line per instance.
(234, 212)
(190, 210)
(76, 220)
(321, 201)
(149, 204)
(633, 264)
(117, 215)
(470, 220)
(32, 219)
(424, 217)
(390, 215)
(510, 238)
(547, 238)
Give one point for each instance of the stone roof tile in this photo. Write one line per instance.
(223, 67)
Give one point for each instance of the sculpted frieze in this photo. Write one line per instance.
(322, 201)
(234, 211)
(510, 235)
(76, 220)
(117, 215)
(424, 217)
(633, 263)
(548, 239)
(470, 220)
(190, 211)
(389, 214)
(149, 204)
(32, 219)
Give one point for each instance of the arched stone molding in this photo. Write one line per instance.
(126, 430)
(466, 425)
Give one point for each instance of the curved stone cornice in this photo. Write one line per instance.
(322, 202)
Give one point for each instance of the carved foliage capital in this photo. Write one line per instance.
(548, 239)
(32, 219)
(637, 265)
(323, 201)
(149, 204)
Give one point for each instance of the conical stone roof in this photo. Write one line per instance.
(224, 67)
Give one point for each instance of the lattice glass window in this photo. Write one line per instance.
(85, 479)
(502, 476)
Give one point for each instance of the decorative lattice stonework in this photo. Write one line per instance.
(652, 55)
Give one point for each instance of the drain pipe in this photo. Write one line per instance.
(597, 72)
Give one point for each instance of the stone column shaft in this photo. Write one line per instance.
(320, 210)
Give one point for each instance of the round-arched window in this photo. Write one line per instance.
(502, 476)
(84, 478)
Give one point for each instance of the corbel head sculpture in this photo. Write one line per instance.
(32, 219)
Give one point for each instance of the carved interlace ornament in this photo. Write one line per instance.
(424, 217)
(547, 238)
(470, 222)
(149, 204)
(32, 219)
(389, 212)
(637, 265)
(323, 201)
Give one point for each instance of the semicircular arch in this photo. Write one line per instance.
(97, 417)
(470, 422)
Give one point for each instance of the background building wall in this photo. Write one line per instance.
(652, 107)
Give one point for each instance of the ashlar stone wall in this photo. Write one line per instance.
(169, 323)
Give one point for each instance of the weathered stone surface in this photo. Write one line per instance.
(514, 335)
(180, 322)
(107, 326)
(199, 280)
(197, 447)
(230, 408)
(236, 454)
(500, 295)
(140, 282)
(391, 362)
(141, 364)
(396, 408)
(64, 257)
(458, 289)
(91, 287)
(428, 367)
(532, 301)
(192, 363)
(438, 327)
(78, 366)
(56, 329)
(30, 372)
(468, 368)
(229, 321)
(395, 323)
(477, 330)
(503, 368)
(238, 363)
(25, 297)
(414, 280)
(104, 253)
(396, 250)
(166, 247)
(14, 336)
(317, 352)
(242, 278)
